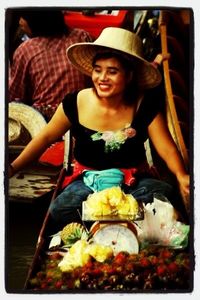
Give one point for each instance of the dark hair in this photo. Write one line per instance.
(45, 22)
(130, 65)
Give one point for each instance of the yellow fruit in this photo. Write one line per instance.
(111, 201)
(99, 252)
(75, 257)
(72, 233)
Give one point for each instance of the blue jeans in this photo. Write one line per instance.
(65, 207)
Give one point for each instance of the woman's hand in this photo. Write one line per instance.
(158, 60)
(168, 151)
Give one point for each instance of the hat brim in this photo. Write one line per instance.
(81, 56)
(29, 117)
(14, 128)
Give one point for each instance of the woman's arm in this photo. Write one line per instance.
(167, 149)
(54, 130)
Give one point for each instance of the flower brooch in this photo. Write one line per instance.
(114, 139)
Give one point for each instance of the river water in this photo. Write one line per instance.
(24, 222)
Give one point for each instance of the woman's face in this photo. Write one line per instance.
(109, 77)
(25, 27)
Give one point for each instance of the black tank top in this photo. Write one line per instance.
(104, 150)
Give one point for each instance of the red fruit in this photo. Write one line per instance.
(161, 269)
(144, 262)
(96, 272)
(130, 267)
(120, 258)
(58, 284)
(108, 269)
(70, 284)
(173, 267)
(166, 253)
(160, 261)
(153, 259)
(49, 280)
(88, 265)
(44, 285)
(77, 272)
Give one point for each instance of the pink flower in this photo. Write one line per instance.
(130, 132)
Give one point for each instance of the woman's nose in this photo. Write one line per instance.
(103, 75)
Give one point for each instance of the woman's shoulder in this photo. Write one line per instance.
(152, 103)
(73, 97)
(72, 102)
(83, 96)
(85, 92)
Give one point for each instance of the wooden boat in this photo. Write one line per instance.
(180, 282)
(38, 281)
(45, 276)
(154, 268)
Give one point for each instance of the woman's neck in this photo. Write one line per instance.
(114, 102)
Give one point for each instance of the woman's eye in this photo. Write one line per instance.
(97, 70)
(108, 72)
(112, 72)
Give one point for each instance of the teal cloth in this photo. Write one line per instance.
(101, 180)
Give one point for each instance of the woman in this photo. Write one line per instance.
(40, 73)
(110, 123)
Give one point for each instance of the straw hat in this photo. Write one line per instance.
(24, 123)
(126, 42)
(14, 130)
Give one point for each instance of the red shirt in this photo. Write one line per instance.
(41, 74)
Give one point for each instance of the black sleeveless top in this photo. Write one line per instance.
(121, 149)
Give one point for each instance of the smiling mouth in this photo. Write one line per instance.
(104, 87)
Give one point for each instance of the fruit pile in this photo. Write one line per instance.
(154, 268)
(111, 202)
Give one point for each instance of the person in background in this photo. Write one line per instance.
(110, 123)
(13, 33)
(40, 73)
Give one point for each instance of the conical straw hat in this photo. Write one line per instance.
(125, 42)
(22, 118)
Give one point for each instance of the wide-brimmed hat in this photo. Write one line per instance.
(121, 40)
(24, 123)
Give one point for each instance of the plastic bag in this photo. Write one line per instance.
(160, 225)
